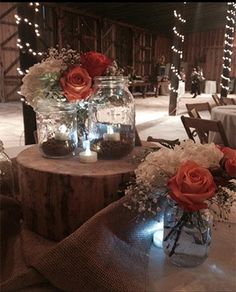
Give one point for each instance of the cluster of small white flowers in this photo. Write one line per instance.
(32, 85)
(66, 55)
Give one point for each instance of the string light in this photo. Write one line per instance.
(228, 42)
(26, 47)
(177, 51)
(179, 17)
(175, 70)
(226, 67)
(178, 34)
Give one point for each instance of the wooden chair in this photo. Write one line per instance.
(202, 128)
(193, 113)
(228, 101)
(203, 106)
(217, 100)
(164, 142)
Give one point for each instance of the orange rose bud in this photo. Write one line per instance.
(95, 63)
(76, 83)
(192, 186)
(229, 161)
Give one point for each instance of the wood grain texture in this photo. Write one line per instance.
(59, 195)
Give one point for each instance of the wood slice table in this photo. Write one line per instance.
(59, 195)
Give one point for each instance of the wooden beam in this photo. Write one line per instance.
(26, 61)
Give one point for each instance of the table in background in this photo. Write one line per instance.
(227, 115)
(59, 195)
(141, 85)
(210, 87)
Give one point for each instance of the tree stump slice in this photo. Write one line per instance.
(59, 195)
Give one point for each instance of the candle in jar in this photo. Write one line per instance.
(88, 156)
(62, 134)
(110, 135)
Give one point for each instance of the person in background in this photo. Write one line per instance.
(195, 89)
(201, 79)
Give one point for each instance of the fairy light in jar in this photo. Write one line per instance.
(111, 135)
(62, 133)
(87, 156)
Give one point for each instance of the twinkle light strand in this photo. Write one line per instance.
(228, 42)
(175, 70)
(179, 17)
(26, 47)
(36, 5)
(178, 34)
(177, 51)
(19, 19)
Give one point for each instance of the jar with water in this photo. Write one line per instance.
(111, 117)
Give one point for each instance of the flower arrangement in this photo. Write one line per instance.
(64, 76)
(191, 174)
(194, 177)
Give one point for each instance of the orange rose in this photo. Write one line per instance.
(76, 83)
(229, 161)
(191, 186)
(95, 63)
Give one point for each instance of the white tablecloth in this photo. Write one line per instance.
(227, 115)
(181, 89)
(210, 87)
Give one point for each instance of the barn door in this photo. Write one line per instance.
(9, 54)
(108, 39)
(142, 46)
(88, 34)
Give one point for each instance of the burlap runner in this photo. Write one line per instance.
(108, 253)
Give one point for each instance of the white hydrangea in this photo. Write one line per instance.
(32, 85)
(159, 166)
(205, 155)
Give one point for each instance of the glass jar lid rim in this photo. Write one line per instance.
(111, 78)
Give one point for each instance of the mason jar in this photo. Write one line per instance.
(187, 235)
(111, 117)
(57, 129)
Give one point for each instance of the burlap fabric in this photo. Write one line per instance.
(108, 253)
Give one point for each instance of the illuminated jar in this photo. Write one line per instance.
(111, 117)
(57, 129)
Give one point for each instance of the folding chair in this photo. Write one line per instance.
(204, 106)
(164, 142)
(228, 101)
(217, 100)
(202, 128)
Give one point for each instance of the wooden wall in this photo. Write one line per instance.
(206, 49)
(128, 45)
(9, 55)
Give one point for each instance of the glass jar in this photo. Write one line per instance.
(6, 173)
(187, 235)
(57, 129)
(111, 117)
